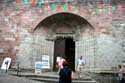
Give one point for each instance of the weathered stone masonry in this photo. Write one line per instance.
(23, 38)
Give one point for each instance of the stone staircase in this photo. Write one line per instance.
(52, 77)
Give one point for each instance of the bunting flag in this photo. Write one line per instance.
(17, 1)
(39, 4)
(119, 7)
(25, 1)
(79, 8)
(113, 8)
(91, 10)
(65, 7)
(74, 8)
(53, 6)
(47, 5)
(109, 8)
(69, 7)
(104, 10)
(33, 2)
(87, 11)
(98, 10)
(59, 6)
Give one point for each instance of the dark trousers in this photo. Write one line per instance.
(120, 81)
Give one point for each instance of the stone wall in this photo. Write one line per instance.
(103, 49)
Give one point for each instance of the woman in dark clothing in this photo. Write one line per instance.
(65, 74)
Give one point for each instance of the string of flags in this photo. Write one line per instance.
(103, 9)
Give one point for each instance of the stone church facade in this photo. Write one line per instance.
(29, 32)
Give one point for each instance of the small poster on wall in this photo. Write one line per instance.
(38, 67)
(6, 63)
(45, 62)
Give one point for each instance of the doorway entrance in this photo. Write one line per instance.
(65, 47)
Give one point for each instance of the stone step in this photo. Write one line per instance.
(51, 80)
(50, 76)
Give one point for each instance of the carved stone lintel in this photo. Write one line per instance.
(75, 34)
(55, 36)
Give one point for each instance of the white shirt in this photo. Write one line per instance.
(60, 62)
(81, 62)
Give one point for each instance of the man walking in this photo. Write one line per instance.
(80, 65)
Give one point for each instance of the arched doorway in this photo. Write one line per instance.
(63, 34)
(65, 47)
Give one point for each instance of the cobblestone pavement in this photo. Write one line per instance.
(5, 78)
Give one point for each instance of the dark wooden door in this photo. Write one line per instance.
(70, 52)
(65, 47)
(59, 49)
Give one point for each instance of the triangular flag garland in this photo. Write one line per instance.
(69, 7)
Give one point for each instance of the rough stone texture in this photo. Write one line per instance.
(23, 40)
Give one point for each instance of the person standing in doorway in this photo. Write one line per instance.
(80, 65)
(65, 73)
(120, 74)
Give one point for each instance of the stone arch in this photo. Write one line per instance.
(64, 18)
(51, 13)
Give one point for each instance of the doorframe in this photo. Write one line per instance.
(72, 36)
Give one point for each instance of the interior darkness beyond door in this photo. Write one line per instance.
(65, 47)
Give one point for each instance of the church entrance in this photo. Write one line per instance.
(65, 47)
